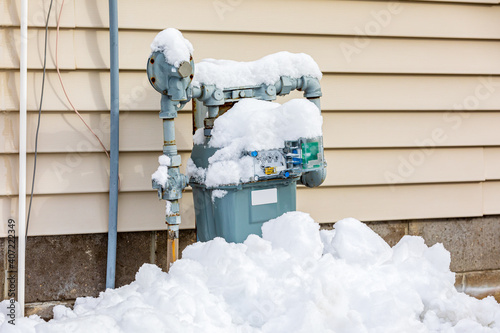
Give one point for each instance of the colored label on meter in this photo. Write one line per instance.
(270, 171)
(310, 152)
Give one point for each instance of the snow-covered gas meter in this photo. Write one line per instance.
(249, 152)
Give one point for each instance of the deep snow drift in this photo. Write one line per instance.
(295, 278)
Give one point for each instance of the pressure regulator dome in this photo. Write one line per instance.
(171, 61)
(160, 72)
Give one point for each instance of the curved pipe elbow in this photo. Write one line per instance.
(313, 178)
(311, 87)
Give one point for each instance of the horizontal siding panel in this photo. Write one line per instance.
(81, 172)
(493, 2)
(399, 166)
(89, 172)
(37, 12)
(492, 163)
(380, 203)
(411, 129)
(491, 197)
(303, 17)
(142, 131)
(59, 173)
(140, 211)
(333, 54)
(65, 132)
(407, 92)
(325, 17)
(89, 91)
(10, 49)
(88, 213)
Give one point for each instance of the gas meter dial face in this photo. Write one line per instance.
(268, 163)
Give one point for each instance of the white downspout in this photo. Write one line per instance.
(23, 86)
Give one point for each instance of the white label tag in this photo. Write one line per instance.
(263, 197)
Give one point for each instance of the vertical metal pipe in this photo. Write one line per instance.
(23, 86)
(172, 245)
(170, 149)
(169, 145)
(316, 101)
(114, 145)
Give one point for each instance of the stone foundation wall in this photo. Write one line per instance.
(61, 268)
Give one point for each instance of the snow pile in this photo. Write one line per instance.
(295, 278)
(267, 70)
(254, 125)
(161, 174)
(173, 45)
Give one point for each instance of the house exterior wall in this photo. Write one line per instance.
(411, 100)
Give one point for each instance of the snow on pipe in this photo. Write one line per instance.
(171, 79)
(23, 69)
(114, 145)
(172, 213)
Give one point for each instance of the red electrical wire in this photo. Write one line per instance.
(66, 94)
(62, 84)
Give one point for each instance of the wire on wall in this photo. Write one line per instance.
(39, 115)
(41, 102)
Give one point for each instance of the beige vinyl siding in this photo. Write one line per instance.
(357, 92)
(303, 17)
(411, 113)
(142, 130)
(412, 56)
(492, 163)
(88, 212)
(467, 1)
(280, 16)
(77, 172)
(491, 197)
(63, 214)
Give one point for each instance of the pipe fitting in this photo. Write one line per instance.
(311, 87)
(173, 222)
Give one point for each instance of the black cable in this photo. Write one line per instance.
(39, 116)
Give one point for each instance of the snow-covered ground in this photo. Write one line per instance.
(295, 278)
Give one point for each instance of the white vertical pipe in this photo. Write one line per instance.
(23, 86)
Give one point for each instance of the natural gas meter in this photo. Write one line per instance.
(235, 191)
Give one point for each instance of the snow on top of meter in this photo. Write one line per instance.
(296, 278)
(257, 125)
(267, 70)
(173, 45)
(253, 125)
